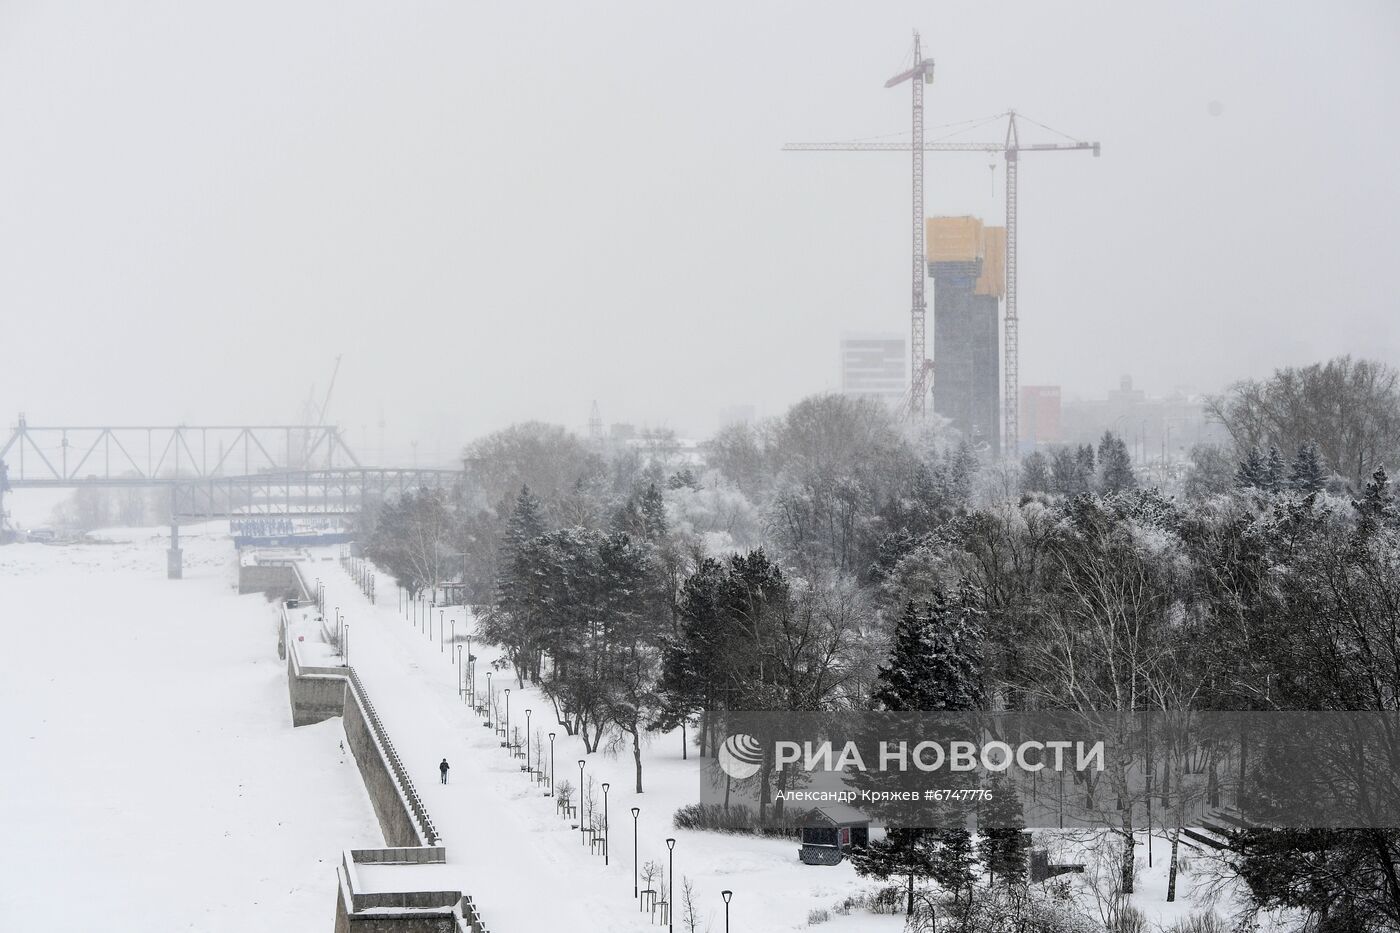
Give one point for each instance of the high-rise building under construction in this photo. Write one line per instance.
(967, 262)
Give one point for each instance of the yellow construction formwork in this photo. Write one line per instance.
(992, 281)
(953, 239)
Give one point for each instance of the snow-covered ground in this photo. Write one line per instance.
(150, 777)
(148, 766)
(524, 866)
(522, 863)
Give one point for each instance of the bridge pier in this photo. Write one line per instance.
(174, 558)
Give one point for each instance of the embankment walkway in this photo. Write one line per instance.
(505, 845)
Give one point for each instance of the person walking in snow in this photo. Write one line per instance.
(442, 769)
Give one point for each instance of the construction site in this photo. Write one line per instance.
(973, 372)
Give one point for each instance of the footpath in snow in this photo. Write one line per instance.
(521, 862)
(506, 847)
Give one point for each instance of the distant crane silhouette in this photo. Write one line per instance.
(1011, 147)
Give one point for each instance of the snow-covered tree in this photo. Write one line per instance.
(1035, 473)
(1003, 846)
(1115, 465)
(935, 663)
(1308, 474)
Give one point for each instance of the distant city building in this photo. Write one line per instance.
(1125, 394)
(1153, 428)
(1040, 416)
(874, 366)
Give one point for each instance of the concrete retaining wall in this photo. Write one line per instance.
(389, 805)
(316, 693)
(403, 855)
(405, 911)
(276, 582)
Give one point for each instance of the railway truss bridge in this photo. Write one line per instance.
(211, 471)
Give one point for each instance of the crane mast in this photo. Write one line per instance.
(919, 366)
(918, 313)
(1012, 149)
(1011, 351)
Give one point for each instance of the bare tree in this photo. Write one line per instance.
(690, 913)
(1349, 408)
(413, 540)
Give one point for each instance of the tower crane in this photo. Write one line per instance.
(314, 415)
(919, 366)
(326, 402)
(1012, 148)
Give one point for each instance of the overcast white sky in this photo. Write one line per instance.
(500, 211)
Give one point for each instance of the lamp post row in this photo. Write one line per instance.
(467, 688)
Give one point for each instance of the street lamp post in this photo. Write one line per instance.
(490, 703)
(527, 744)
(460, 688)
(671, 886)
(507, 717)
(345, 642)
(442, 632)
(551, 764)
(605, 823)
(471, 672)
(726, 895)
(636, 812)
(581, 826)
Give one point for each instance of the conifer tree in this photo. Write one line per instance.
(903, 853)
(512, 622)
(1003, 845)
(953, 861)
(1377, 503)
(526, 523)
(653, 510)
(962, 470)
(1275, 471)
(1068, 475)
(1115, 465)
(935, 665)
(1084, 459)
(1307, 474)
(1035, 473)
(1253, 472)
